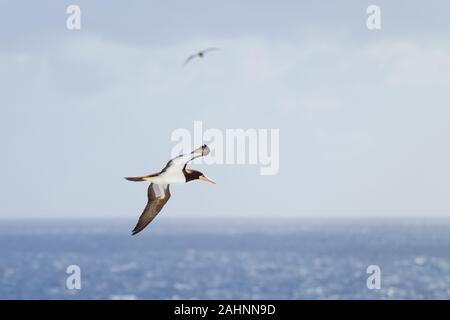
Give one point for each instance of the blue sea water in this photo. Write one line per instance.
(226, 259)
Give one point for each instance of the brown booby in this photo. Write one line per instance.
(199, 54)
(158, 192)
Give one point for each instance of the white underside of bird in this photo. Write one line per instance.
(169, 177)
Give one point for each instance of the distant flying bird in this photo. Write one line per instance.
(158, 192)
(199, 54)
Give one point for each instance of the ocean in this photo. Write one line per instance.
(226, 259)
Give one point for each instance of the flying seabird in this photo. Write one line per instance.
(199, 54)
(158, 192)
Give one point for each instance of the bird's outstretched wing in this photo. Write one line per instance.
(210, 49)
(182, 160)
(158, 195)
(190, 58)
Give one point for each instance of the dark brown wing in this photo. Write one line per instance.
(158, 195)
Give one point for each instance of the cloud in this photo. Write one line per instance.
(85, 111)
(408, 63)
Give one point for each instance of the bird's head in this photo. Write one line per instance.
(197, 175)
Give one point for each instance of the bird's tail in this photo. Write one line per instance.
(137, 179)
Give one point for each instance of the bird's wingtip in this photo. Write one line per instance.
(135, 179)
(136, 230)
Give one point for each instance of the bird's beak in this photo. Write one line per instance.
(205, 178)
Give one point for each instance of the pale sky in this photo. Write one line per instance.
(364, 116)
